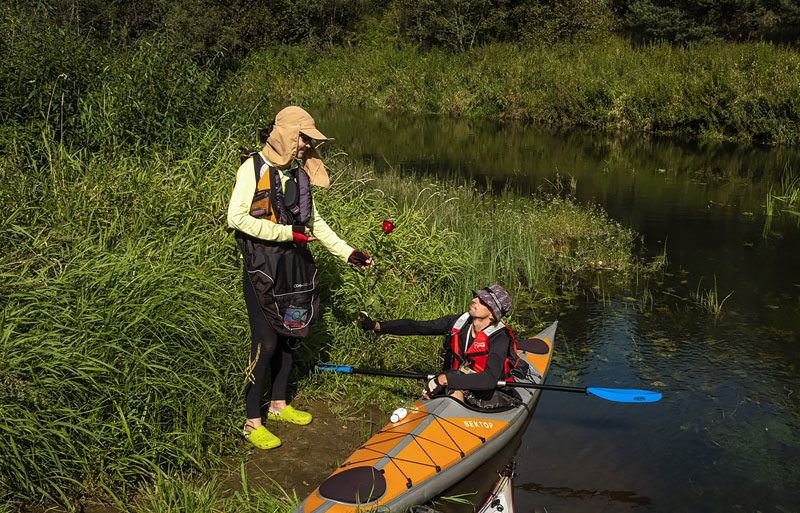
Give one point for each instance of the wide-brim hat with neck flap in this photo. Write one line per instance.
(281, 147)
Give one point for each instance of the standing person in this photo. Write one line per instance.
(272, 211)
(479, 349)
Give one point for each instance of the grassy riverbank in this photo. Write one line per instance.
(123, 329)
(745, 92)
(106, 95)
(123, 336)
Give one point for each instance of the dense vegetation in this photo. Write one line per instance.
(121, 321)
(208, 27)
(123, 324)
(744, 92)
(718, 70)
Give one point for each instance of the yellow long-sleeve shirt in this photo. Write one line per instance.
(239, 217)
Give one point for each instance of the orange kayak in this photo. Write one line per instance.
(438, 443)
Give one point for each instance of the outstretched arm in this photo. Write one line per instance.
(438, 326)
(328, 237)
(337, 246)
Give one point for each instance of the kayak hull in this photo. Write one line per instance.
(439, 443)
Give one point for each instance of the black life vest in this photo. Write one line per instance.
(478, 351)
(288, 203)
(283, 274)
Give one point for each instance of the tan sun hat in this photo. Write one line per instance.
(281, 146)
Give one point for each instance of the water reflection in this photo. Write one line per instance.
(584, 495)
(704, 202)
(722, 434)
(530, 154)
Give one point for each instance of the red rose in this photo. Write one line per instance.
(388, 227)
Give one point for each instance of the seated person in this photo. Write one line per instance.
(478, 348)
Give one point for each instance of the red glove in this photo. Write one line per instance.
(358, 258)
(298, 234)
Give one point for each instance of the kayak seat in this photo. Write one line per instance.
(533, 345)
(358, 485)
(502, 406)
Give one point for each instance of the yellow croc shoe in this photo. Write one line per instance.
(262, 438)
(289, 414)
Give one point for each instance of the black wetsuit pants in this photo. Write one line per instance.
(266, 349)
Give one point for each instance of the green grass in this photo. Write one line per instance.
(709, 300)
(449, 239)
(784, 196)
(123, 333)
(123, 328)
(116, 319)
(177, 494)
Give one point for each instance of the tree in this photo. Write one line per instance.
(458, 24)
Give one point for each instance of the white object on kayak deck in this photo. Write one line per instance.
(398, 415)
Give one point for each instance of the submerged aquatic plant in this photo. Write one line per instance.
(785, 198)
(709, 300)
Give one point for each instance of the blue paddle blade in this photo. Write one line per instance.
(334, 368)
(625, 395)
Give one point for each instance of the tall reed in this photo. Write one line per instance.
(709, 300)
(786, 194)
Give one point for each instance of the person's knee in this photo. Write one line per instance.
(260, 357)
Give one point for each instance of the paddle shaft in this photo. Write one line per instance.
(555, 388)
(411, 375)
(370, 372)
(621, 395)
(415, 375)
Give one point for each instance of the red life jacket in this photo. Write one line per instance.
(478, 351)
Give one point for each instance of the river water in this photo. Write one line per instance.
(724, 436)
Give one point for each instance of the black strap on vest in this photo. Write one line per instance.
(258, 162)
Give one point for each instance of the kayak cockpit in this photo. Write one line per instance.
(508, 391)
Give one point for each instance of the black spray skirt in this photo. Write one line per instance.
(286, 282)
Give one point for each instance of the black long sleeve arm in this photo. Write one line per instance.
(440, 326)
(498, 349)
